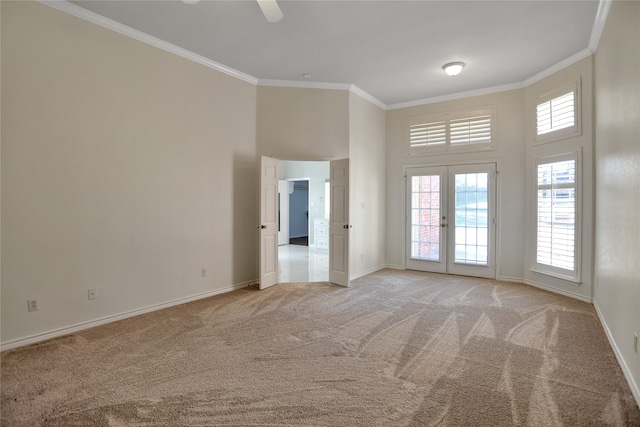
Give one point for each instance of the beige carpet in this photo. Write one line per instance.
(396, 349)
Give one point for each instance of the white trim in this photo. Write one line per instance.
(557, 291)
(8, 345)
(79, 12)
(557, 67)
(368, 97)
(303, 85)
(598, 24)
(367, 272)
(324, 85)
(395, 266)
(460, 95)
(510, 279)
(635, 389)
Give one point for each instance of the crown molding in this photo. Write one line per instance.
(368, 97)
(79, 12)
(321, 85)
(584, 53)
(459, 95)
(303, 85)
(598, 24)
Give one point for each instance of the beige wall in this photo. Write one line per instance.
(509, 155)
(583, 144)
(617, 164)
(367, 186)
(124, 168)
(302, 124)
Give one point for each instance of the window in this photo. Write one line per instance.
(557, 114)
(556, 220)
(468, 130)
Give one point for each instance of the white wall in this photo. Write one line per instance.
(617, 165)
(510, 156)
(582, 71)
(124, 168)
(367, 186)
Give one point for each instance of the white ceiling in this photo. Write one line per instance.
(393, 50)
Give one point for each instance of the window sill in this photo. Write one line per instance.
(569, 279)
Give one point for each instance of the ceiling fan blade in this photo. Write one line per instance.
(271, 10)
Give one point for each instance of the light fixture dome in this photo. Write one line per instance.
(453, 68)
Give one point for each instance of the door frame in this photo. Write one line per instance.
(496, 205)
(261, 160)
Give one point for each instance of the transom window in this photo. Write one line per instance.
(468, 130)
(557, 114)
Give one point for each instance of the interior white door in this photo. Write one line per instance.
(451, 219)
(268, 222)
(283, 212)
(339, 223)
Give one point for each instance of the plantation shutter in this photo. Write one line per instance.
(556, 114)
(556, 215)
(471, 130)
(427, 134)
(458, 129)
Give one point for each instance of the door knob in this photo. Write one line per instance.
(443, 225)
(262, 226)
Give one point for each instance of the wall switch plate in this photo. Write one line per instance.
(635, 342)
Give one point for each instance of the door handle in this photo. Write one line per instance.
(262, 226)
(347, 226)
(443, 225)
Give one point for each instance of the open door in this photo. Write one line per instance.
(268, 222)
(339, 223)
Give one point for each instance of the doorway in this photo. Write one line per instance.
(303, 255)
(337, 224)
(450, 224)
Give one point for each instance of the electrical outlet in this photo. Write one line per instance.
(204, 272)
(92, 293)
(32, 305)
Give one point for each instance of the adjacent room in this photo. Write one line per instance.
(295, 213)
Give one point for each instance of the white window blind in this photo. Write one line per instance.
(471, 130)
(556, 222)
(555, 114)
(427, 134)
(443, 131)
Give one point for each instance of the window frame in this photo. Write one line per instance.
(446, 146)
(564, 133)
(561, 273)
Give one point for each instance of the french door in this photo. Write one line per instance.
(451, 219)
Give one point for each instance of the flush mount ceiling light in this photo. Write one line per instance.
(453, 68)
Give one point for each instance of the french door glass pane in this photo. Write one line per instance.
(471, 218)
(425, 217)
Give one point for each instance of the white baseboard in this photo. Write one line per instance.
(55, 333)
(395, 267)
(557, 291)
(366, 272)
(635, 390)
(510, 279)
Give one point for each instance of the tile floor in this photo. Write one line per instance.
(303, 264)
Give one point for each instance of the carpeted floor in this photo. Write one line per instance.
(398, 348)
